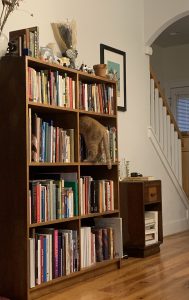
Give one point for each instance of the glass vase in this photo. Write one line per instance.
(3, 44)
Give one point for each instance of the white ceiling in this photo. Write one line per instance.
(175, 34)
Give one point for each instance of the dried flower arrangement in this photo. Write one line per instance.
(8, 7)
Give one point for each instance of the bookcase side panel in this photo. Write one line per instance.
(13, 180)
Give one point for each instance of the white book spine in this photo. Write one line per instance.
(32, 262)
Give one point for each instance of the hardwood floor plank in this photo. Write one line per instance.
(163, 276)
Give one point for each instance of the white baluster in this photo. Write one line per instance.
(169, 139)
(165, 147)
(172, 146)
(157, 113)
(180, 161)
(152, 109)
(176, 155)
(161, 122)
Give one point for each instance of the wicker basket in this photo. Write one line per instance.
(100, 70)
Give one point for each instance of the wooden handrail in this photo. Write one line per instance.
(165, 103)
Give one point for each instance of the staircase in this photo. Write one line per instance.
(165, 135)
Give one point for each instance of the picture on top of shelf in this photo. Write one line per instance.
(116, 67)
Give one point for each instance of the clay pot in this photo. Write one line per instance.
(100, 70)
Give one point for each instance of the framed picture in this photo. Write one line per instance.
(116, 64)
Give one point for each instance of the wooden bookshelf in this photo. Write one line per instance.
(18, 171)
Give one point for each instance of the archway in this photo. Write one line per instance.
(170, 63)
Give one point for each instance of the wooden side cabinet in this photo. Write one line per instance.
(137, 199)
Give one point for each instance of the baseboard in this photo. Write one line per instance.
(175, 227)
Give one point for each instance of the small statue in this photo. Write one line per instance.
(72, 55)
(87, 69)
(12, 48)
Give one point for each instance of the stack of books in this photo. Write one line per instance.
(151, 227)
(139, 178)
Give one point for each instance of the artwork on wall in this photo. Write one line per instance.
(116, 65)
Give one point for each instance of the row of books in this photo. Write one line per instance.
(51, 87)
(52, 199)
(102, 241)
(96, 97)
(49, 143)
(53, 253)
(25, 41)
(96, 196)
(57, 198)
(112, 140)
(151, 227)
(97, 244)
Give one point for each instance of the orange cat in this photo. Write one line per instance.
(96, 138)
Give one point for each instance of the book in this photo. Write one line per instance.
(32, 262)
(85, 242)
(116, 225)
(99, 247)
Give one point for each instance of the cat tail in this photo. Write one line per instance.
(107, 150)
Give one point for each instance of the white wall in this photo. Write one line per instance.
(157, 63)
(171, 65)
(160, 14)
(119, 24)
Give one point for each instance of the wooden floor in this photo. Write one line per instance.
(164, 276)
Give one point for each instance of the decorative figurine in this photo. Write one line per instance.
(72, 55)
(85, 68)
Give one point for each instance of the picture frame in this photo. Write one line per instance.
(115, 60)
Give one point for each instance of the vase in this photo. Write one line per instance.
(3, 44)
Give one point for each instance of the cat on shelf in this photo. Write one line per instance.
(96, 140)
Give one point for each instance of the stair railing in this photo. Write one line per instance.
(165, 128)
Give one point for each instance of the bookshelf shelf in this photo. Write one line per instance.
(109, 264)
(51, 107)
(97, 114)
(92, 215)
(137, 199)
(84, 164)
(44, 216)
